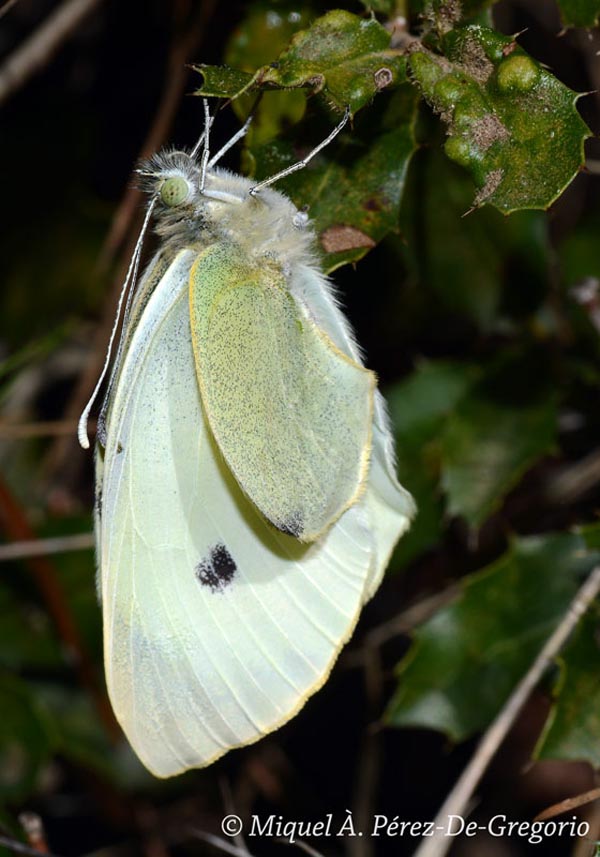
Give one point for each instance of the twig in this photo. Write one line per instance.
(46, 547)
(303, 846)
(568, 804)
(33, 829)
(574, 480)
(369, 760)
(176, 76)
(47, 428)
(126, 216)
(38, 49)
(591, 814)
(17, 527)
(7, 7)
(402, 623)
(230, 809)
(459, 797)
(222, 844)
(19, 848)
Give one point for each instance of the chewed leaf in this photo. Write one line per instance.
(510, 122)
(346, 58)
(222, 81)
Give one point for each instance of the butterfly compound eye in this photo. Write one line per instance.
(174, 191)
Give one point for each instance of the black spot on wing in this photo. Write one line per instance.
(294, 526)
(217, 570)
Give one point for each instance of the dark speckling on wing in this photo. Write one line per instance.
(294, 526)
(217, 570)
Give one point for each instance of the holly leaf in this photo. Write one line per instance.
(573, 730)
(419, 407)
(353, 189)
(466, 660)
(510, 122)
(346, 58)
(499, 430)
(579, 13)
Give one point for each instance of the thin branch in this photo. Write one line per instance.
(127, 215)
(574, 480)
(368, 771)
(17, 528)
(38, 49)
(7, 7)
(568, 804)
(47, 428)
(46, 547)
(175, 80)
(303, 846)
(19, 848)
(222, 844)
(33, 829)
(402, 623)
(459, 797)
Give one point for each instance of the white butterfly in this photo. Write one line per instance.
(247, 503)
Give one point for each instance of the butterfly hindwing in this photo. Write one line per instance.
(291, 412)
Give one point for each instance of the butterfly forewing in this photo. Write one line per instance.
(217, 626)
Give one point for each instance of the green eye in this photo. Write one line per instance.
(174, 191)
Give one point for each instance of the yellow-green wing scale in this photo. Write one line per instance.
(291, 413)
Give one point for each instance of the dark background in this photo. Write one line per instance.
(69, 139)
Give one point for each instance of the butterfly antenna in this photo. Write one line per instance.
(299, 165)
(237, 136)
(128, 284)
(196, 148)
(206, 149)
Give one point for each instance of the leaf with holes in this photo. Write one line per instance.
(346, 58)
(510, 122)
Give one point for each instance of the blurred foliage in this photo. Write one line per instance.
(579, 13)
(485, 330)
(482, 644)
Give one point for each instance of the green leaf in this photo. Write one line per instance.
(346, 58)
(263, 34)
(419, 406)
(25, 739)
(467, 659)
(222, 81)
(443, 15)
(496, 433)
(579, 13)
(590, 533)
(511, 123)
(464, 261)
(353, 189)
(27, 636)
(573, 728)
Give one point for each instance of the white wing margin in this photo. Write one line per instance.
(389, 506)
(217, 628)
